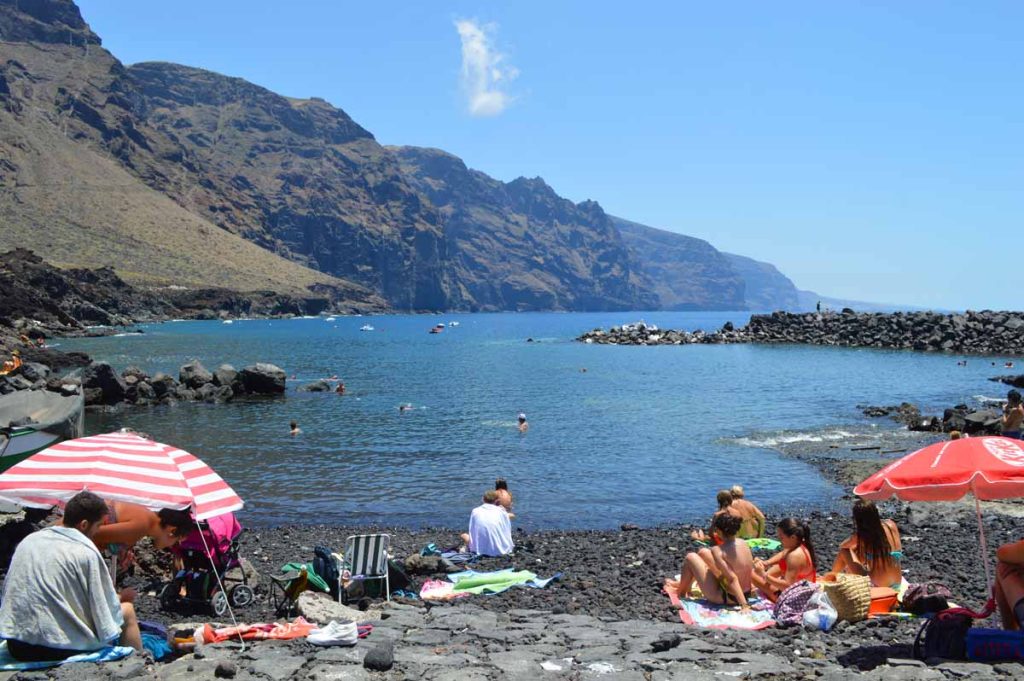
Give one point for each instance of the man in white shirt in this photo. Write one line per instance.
(59, 599)
(490, 530)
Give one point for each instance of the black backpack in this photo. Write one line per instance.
(944, 636)
(326, 567)
(922, 599)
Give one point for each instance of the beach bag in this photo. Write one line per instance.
(791, 603)
(820, 614)
(944, 636)
(995, 645)
(923, 599)
(851, 596)
(326, 567)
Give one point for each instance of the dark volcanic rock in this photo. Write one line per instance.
(194, 375)
(1015, 381)
(991, 333)
(103, 385)
(227, 376)
(319, 386)
(263, 379)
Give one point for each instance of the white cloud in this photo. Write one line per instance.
(485, 74)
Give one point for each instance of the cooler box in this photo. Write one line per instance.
(991, 645)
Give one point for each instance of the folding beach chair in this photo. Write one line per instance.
(366, 558)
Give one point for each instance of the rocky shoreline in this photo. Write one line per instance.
(986, 333)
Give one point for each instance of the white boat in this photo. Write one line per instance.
(366, 327)
(453, 323)
(228, 321)
(330, 319)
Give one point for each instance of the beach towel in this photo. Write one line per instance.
(712, 616)
(437, 590)
(497, 581)
(284, 631)
(108, 654)
(65, 597)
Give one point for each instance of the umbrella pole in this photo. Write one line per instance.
(984, 547)
(220, 584)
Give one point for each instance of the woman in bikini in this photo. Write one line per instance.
(127, 524)
(874, 549)
(792, 564)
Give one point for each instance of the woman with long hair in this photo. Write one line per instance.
(874, 549)
(793, 563)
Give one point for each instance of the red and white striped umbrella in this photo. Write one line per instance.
(119, 467)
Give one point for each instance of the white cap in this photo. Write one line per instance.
(522, 416)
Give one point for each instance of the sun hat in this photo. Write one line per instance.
(522, 416)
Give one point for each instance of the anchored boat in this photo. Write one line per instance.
(32, 420)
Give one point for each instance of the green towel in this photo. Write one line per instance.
(315, 580)
(764, 543)
(493, 582)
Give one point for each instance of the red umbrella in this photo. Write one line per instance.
(121, 467)
(987, 467)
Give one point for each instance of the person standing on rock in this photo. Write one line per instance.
(1013, 415)
(723, 573)
(753, 519)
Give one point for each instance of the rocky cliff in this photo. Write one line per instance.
(686, 273)
(520, 246)
(173, 176)
(766, 287)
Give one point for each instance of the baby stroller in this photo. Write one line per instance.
(199, 572)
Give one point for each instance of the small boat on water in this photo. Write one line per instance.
(366, 327)
(453, 323)
(330, 319)
(32, 420)
(228, 321)
(437, 328)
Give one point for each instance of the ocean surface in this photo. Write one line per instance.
(617, 434)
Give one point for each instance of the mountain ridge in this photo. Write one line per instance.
(196, 178)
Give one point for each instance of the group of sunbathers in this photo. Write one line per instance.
(726, 571)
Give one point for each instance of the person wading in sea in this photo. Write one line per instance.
(523, 425)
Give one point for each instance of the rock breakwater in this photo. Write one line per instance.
(987, 332)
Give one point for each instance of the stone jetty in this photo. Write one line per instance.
(987, 332)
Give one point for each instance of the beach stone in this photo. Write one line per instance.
(320, 386)
(338, 672)
(100, 376)
(226, 375)
(194, 375)
(163, 384)
(263, 379)
(34, 371)
(464, 674)
(225, 670)
(129, 668)
(516, 662)
(380, 658)
(278, 665)
(344, 654)
(321, 608)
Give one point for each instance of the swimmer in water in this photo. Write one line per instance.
(341, 388)
(295, 428)
(402, 408)
(523, 425)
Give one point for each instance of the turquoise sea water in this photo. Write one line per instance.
(644, 435)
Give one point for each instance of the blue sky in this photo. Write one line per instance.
(870, 150)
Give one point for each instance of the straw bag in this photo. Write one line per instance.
(851, 596)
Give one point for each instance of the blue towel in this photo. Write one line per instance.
(457, 557)
(108, 654)
(157, 645)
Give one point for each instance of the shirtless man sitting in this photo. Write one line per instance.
(724, 573)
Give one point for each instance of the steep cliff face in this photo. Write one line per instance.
(766, 288)
(521, 246)
(73, 148)
(686, 273)
(298, 177)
